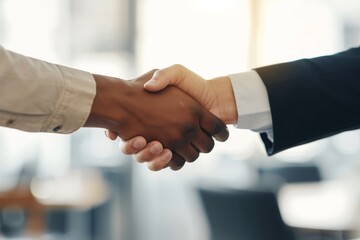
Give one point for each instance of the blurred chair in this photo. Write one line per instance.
(18, 207)
(235, 214)
(275, 176)
(293, 173)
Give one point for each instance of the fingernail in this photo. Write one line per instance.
(106, 133)
(167, 156)
(139, 143)
(151, 82)
(155, 149)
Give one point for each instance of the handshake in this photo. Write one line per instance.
(166, 117)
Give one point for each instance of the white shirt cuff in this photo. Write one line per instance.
(251, 101)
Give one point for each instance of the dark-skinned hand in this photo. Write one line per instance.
(170, 116)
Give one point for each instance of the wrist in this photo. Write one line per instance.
(101, 114)
(225, 107)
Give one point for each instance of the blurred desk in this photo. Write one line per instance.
(328, 205)
(77, 190)
(80, 190)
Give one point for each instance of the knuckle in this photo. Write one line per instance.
(159, 73)
(142, 156)
(180, 70)
(126, 148)
(136, 158)
(176, 163)
(193, 157)
(153, 166)
(218, 126)
(178, 67)
(176, 167)
(176, 145)
(189, 130)
(209, 147)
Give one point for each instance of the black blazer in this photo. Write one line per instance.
(312, 98)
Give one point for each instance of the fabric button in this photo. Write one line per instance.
(56, 129)
(9, 122)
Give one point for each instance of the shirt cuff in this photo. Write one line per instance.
(74, 105)
(252, 102)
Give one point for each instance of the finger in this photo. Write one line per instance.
(148, 75)
(177, 162)
(172, 75)
(203, 142)
(133, 145)
(151, 152)
(184, 147)
(111, 135)
(188, 153)
(161, 161)
(214, 126)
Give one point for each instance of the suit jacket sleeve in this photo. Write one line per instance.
(312, 98)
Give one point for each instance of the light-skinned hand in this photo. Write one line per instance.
(216, 95)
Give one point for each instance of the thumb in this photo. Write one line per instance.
(183, 78)
(162, 78)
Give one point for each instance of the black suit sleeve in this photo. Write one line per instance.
(312, 98)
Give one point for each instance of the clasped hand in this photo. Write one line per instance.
(170, 117)
(216, 95)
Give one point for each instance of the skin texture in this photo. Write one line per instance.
(216, 95)
(169, 116)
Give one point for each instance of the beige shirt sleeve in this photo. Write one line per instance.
(37, 96)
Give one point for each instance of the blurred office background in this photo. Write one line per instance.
(80, 186)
